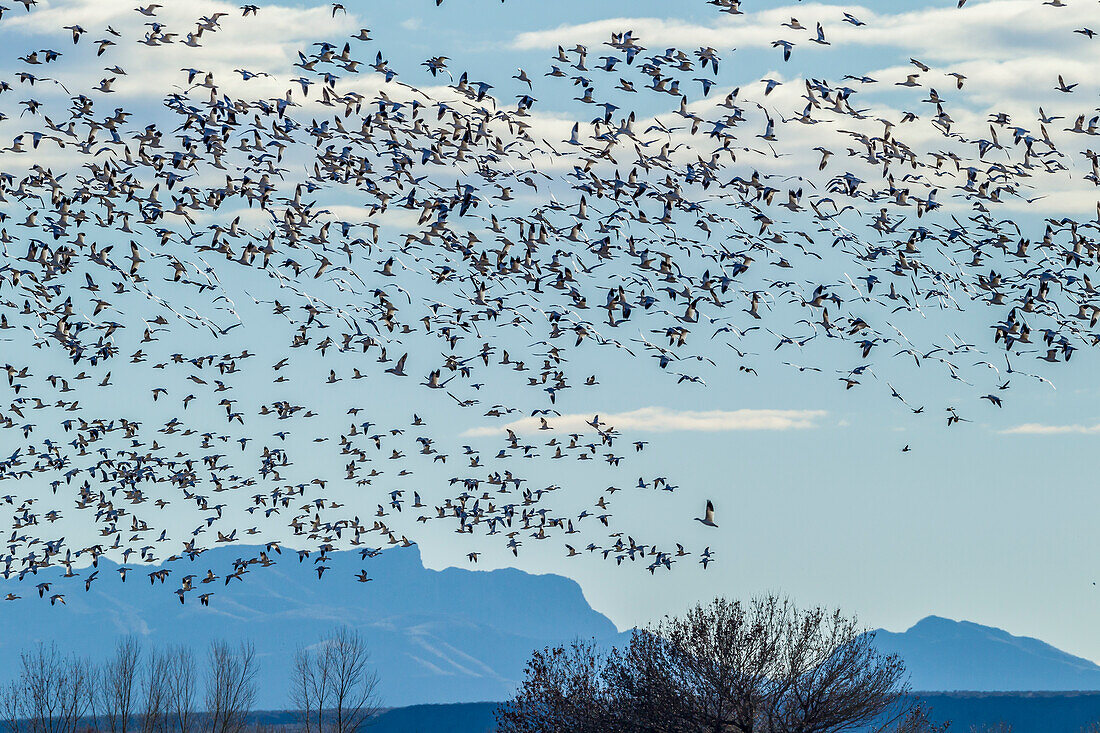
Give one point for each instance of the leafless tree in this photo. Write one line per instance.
(52, 694)
(230, 686)
(118, 679)
(832, 676)
(310, 690)
(917, 720)
(714, 668)
(565, 690)
(180, 682)
(155, 692)
(355, 685)
(765, 667)
(10, 712)
(333, 686)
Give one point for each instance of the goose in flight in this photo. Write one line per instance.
(708, 516)
(572, 222)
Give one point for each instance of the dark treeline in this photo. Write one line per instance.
(176, 690)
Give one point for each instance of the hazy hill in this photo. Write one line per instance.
(942, 654)
(438, 636)
(435, 636)
(464, 717)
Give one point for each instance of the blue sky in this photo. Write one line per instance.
(990, 520)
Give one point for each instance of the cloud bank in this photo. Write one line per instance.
(1033, 428)
(663, 420)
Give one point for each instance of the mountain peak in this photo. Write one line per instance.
(935, 626)
(944, 654)
(450, 635)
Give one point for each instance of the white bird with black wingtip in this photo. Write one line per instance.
(708, 517)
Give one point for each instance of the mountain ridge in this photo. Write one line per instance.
(436, 636)
(450, 635)
(945, 655)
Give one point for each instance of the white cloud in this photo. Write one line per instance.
(1000, 29)
(658, 30)
(1033, 428)
(266, 42)
(664, 420)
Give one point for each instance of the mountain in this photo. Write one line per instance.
(465, 718)
(942, 654)
(435, 636)
(450, 636)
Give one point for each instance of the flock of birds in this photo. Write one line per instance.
(194, 292)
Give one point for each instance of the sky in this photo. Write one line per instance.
(990, 520)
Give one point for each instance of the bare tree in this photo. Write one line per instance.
(155, 692)
(766, 667)
(565, 690)
(10, 707)
(832, 676)
(917, 720)
(118, 686)
(714, 668)
(310, 690)
(354, 684)
(180, 682)
(333, 686)
(52, 694)
(230, 686)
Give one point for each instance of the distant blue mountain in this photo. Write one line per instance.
(941, 654)
(465, 718)
(435, 636)
(462, 717)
